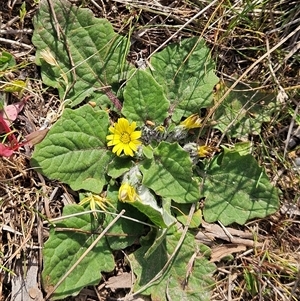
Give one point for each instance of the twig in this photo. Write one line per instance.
(15, 31)
(16, 43)
(84, 254)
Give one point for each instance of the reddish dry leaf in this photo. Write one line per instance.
(5, 151)
(10, 113)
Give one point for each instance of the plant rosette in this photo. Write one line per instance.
(143, 156)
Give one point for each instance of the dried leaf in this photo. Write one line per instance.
(36, 137)
(220, 252)
(121, 281)
(5, 151)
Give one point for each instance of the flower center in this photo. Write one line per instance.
(125, 138)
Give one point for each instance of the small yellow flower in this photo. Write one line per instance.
(94, 200)
(124, 137)
(204, 151)
(192, 122)
(127, 193)
(160, 129)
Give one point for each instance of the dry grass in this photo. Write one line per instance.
(241, 35)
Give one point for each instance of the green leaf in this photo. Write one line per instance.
(74, 150)
(243, 148)
(14, 86)
(147, 204)
(178, 282)
(243, 112)
(181, 212)
(124, 232)
(144, 99)
(64, 247)
(87, 53)
(170, 175)
(186, 72)
(237, 189)
(294, 116)
(251, 282)
(6, 60)
(118, 166)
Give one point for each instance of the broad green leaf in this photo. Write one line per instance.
(74, 150)
(79, 55)
(125, 232)
(243, 111)
(147, 204)
(118, 166)
(144, 99)
(64, 248)
(183, 280)
(181, 212)
(170, 175)
(186, 72)
(236, 190)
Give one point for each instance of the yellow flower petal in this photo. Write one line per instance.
(204, 151)
(192, 122)
(127, 150)
(136, 135)
(127, 193)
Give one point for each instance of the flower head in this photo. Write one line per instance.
(127, 193)
(198, 151)
(192, 122)
(204, 151)
(124, 137)
(93, 200)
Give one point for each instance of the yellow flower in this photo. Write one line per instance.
(94, 200)
(127, 193)
(124, 137)
(192, 122)
(204, 151)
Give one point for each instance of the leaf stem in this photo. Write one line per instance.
(113, 98)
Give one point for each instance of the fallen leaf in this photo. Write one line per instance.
(5, 151)
(121, 281)
(219, 252)
(25, 285)
(36, 137)
(214, 231)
